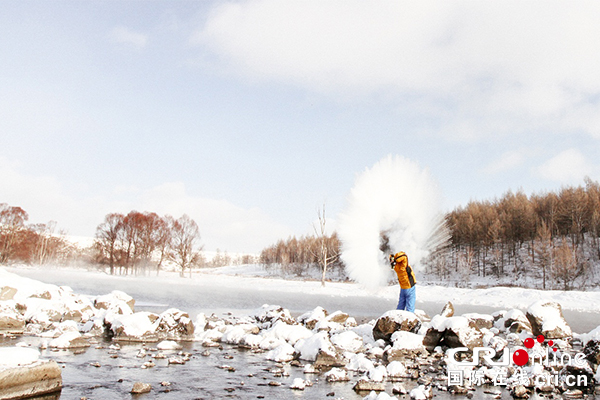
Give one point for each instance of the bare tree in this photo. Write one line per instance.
(108, 235)
(185, 236)
(324, 253)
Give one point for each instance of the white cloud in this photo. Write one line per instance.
(222, 224)
(127, 36)
(503, 67)
(507, 161)
(568, 167)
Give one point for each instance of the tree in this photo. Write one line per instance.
(12, 221)
(324, 253)
(108, 235)
(185, 236)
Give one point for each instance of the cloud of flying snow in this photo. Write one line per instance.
(397, 200)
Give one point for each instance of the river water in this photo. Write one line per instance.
(94, 374)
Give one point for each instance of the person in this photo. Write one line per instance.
(407, 280)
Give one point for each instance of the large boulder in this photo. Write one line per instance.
(24, 375)
(113, 300)
(405, 345)
(311, 318)
(547, 319)
(393, 321)
(452, 332)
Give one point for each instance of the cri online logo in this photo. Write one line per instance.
(521, 357)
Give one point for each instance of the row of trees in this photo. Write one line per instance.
(321, 250)
(553, 236)
(29, 243)
(139, 241)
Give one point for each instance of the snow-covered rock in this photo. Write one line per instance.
(168, 345)
(267, 315)
(282, 353)
(11, 320)
(405, 344)
(114, 300)
(69, 340)
(298, 384)
(359, 362)
(310, 347)
(175, 324)
(547, 319)
(347, 341)
(513, 321)
(311, 318)
(23, 374)
(336, 375)
(452, 332)
(396, 370)
(395, 320)
(140, 326)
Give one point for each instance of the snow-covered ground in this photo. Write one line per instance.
(256, 278)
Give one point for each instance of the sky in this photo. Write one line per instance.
(251, 115)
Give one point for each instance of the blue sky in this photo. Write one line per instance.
(249, 115)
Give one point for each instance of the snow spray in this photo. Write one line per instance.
(393, 206)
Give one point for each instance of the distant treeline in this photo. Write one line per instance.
(552, 236)
(29, 243)
(296, 255)
(550, 240)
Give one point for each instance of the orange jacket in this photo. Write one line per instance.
(406, 276)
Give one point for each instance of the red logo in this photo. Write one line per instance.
(521, 357)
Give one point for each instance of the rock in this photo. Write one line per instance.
(482, 321)
(422, 315)
(310, 319)
(399, 389)
(395, 320)
(547, 319)
(514, 321)
(113, 301)
(298, 384)
(448, 310)
(7, 293)
(405, 345)
(70, 340)
(37, 379)
(336, 375)
(175, 323)
(11, 321)
(520, 392)
(138, 327)
(337, 317)
(592, 352)
(267, 315)
(365, 386)
(452, 332)
(140, 387)
(578, 378)
(326, 360)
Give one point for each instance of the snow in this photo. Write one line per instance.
(168, 345)
(359, 362)
(64, 340)
(377, 374)
(309, 348)
(11, 357)
(136, 324)
(282, 353)
(347, 341)
(407, 340)
(336, 375)
(379, 396)
(243, 276)
(396, 369)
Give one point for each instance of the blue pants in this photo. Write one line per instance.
(407, 299)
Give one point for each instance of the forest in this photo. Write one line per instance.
(546, 240)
